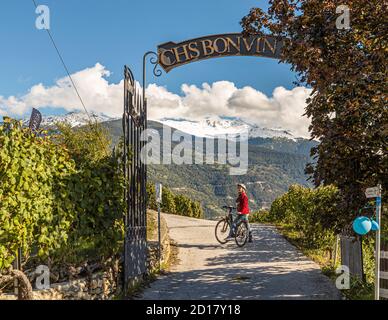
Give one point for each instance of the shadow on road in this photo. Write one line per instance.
(269, 268)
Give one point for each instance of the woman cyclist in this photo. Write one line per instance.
(242, 210)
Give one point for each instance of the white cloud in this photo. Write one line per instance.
(283, 109)
(97, 94)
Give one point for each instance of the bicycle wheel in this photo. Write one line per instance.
(242, 234)
(222, 231)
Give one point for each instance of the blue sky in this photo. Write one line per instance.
(117, 32)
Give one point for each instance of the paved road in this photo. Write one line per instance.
(270, 268)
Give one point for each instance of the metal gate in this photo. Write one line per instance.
(135, 172)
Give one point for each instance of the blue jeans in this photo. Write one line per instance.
(240, 217)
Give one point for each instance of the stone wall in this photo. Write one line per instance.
(100, 285)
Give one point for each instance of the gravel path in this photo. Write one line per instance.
(269, 268)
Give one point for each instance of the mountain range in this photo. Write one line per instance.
(277, 159)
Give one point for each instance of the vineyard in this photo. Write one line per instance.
(61, 197)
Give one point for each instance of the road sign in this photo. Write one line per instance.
(158, 192)
(373, 192)
(158, 196)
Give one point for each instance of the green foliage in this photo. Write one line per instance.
(182, 205)
(97, 195)
(186, 207)
(197, 210)
(36, 206)
(174, 204)
(168, 201)
(88, 144)
(359, 290)
(310, 219)
(311, 212)
(261, 216)
(61, 195)
(346, 70)
(151, 197)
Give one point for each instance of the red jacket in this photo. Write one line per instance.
(242, 204)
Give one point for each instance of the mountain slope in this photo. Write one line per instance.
(276, 160)
(274, 164)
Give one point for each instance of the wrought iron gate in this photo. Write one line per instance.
(135, 171)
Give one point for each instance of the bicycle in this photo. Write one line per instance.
(224, 226)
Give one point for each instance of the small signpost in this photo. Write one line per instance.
(35, 120)
(375, 192)
(158, 195)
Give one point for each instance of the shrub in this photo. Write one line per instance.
(261, 216)
(311, 212)
(97, 193)
(174, 204)
(168, 201)
(61, 195)
(36, 209)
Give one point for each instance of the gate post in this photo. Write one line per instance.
(135, 224)
(135, 173)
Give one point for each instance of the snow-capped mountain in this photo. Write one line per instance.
(215, 126)
(209, 127)
(75, 119)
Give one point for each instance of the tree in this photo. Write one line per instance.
(310, 212)
(347, 71)
(183, 206)
(151, 196)
(168, 201)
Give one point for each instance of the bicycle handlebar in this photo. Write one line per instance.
(228, 207)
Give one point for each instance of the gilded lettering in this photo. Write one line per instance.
(194, 51)
(173, 55)
(178, 54)
(217, 48)
(207, 46)
(248, 46)
(270, 47)
(166, 60)
(258, 49)
(233, 44)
